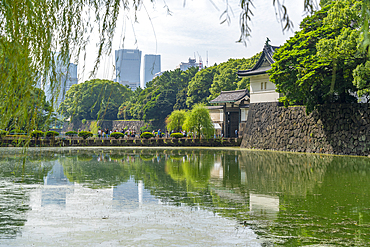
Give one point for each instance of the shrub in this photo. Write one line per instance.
(37, 134)
(16, 131)
(83, 121)
(85, 134)
(117, 135)
(177, 135)
(146, 135)
(71, 133)
(51, 133)
(3, 133)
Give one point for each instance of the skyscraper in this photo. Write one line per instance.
(152, 65)
(68, 79)
(128, 63)
(65, 76)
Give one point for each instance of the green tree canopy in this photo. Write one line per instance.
(316, 65)
(208, 83)
(94, 99)
(198, 89)
(199, 121)
(176, 120)
(161, 96)
(227, 80)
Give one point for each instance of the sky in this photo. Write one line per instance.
(192, 29)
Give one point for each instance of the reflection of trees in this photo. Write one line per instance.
(194, 186)
(14, 204)
(22, 170)
(288, 173)
(195, 169)
(94, 174)
(17, 169)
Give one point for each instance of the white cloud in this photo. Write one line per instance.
(195, 28)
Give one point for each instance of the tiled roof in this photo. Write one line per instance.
(230, 96)
(266, 56)
(215, 107)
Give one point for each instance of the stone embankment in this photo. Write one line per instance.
(332, 129)
(97, 142)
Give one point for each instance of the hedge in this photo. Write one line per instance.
(51, 133)
(177, 135)
(37, 134)
(17, 131)
(71, 133)
(117, 135)
(146, 135)
(85, 134)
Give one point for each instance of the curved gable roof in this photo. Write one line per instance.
(230, 96)
(263, 64)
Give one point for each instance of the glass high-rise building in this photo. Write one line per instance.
(152, 65)
(65, 76)
(128, 63)
(68, 79)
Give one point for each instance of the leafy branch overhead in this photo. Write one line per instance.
(324, 63)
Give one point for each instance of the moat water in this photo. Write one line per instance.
(182, 197)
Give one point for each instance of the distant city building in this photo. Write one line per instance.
(68, 79)
(128, 63)
(192, 63)
(152, 65)
(65, 76)
(158, 74)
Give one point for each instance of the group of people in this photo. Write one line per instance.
(106, 133)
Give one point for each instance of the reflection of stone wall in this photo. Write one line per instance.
(104, 124)
(334, 129)
(288, 173)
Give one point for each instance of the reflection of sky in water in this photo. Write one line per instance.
(73, 214)
(131, 195)
(56, 187)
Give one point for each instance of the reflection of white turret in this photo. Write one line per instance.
(140, 187)
(131, 194)
(217, 170)
(264, 204)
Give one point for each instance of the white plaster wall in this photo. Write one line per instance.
(216, 115)
(244, 114)
(266, 94)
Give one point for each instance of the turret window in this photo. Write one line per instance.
(263, 85)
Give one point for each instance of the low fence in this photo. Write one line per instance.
(110, 142)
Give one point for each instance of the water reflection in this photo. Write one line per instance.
(287, 199)
(131, 195)
(56, 186)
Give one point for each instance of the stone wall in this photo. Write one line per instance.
(332, 129)
(122, 142)
(104, 124)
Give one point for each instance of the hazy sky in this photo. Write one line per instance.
(192, 29)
